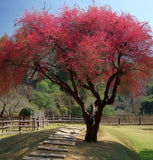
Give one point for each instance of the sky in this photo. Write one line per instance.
(12, 9)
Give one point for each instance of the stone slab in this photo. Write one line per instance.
(61, 134)
(68, 131)
(48, 155)
(52, 149)
(66, 134)
(62, 139)
(59, 143)
(75, 128)
(39, 158)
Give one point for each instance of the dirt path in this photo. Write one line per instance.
(56, 146)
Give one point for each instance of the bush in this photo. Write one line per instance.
(26, 112)
(147, 105)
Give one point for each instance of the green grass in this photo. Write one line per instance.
(135, 138)
(15, 147)
(117, 143)
(114, 143)
(104, 150)
(15, 129)
(108, 147)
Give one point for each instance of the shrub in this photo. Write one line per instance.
(147, 105)
(26, 112)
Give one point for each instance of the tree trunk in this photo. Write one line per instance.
(91, 133)
(92, 124)
(3, 110)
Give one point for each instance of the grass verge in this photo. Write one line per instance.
(138, 138)
(15, 147)
(114, 143)
(108, 147)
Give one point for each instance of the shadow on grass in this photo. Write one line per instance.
(106, 150)
(146, 154)
(16, 147)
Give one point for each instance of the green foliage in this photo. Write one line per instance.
(63, 109)
(26, 112)
(147, 105)
(44, 96)
(54, 88)
(63, 75)
(47, 86)
(43, 86)
(76, 111)
(51, 97)
(44, 101)
(149, 89)
(109, 111)
(120, 98)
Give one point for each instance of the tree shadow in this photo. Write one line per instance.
(146, 154)
(104, 150)
(17, 146)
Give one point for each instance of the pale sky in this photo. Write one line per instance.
(12, 9)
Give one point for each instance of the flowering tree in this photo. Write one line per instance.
(92, 46)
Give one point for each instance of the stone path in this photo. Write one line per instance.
(55, 148)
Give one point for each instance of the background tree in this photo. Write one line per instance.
(90, 46)
(5, 102)
(10, 102)
(147, 99)
(147, 105)
(45, 101)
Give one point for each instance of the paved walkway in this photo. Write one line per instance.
(56, 146)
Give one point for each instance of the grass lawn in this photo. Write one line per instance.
(117, 143)
(138, 138)
(15, 147)
(108, 147)
(114, 143)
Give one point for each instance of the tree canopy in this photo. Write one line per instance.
(95, 44)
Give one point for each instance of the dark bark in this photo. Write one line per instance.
(2, 113)
(3, 110)
(92, 123)
(91, 133)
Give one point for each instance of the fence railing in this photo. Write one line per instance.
(10, 126)
(111, 120)
(128, 120)
(66, 119)
(20, 126)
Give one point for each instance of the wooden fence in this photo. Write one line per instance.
(128, 120)
(19, 125)
(66, 119)
(110, 120)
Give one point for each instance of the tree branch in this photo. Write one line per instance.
(108, 86)
(86, 87)
(73, 82)
(94, 92)
(63, 85)
(116, 84)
